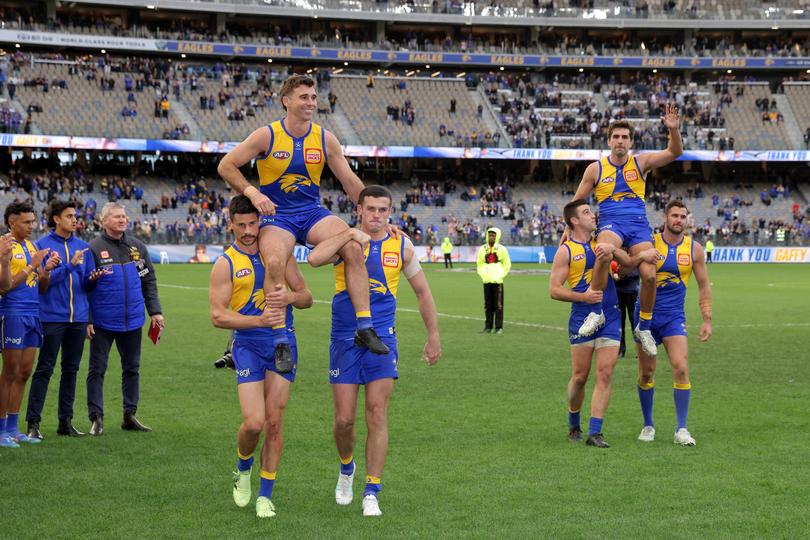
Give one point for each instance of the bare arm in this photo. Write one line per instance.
(674, 149)
(589, 178)
(255, 145)
(299, 294)
(627, 262)
(556, 286)
(21, 276)
(327, 251)
(704, 291)
(219, 296)
(427, 309)
(341, 169)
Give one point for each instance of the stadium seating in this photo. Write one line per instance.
(799, 98)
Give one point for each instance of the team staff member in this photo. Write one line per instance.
(447, 250)
(21, 328)
(679, 256)
(117, 299)
(709, 250)
(237, 302)
(627, 290)
(493, 266)
(63, 310)
(350, 363)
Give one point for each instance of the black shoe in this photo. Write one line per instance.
(131, 423)
(368, 338)
(33, 431)
(66, 428)
(284, 361)
(486, 331)
(574, 434)
(97, 426)
(597, 440)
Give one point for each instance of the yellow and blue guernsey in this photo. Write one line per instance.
(384, 263)
(619, 190)
(247, 298)
(674, 268)
(290, 171)
(582, 259)
(23, 300)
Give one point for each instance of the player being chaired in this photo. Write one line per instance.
(290, 156)
(619, 182)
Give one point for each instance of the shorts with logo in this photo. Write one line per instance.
(350, 364)
(298, 224)
(21, 332)
(612, 329)
(254, 357)
(631, 229)
(664, 324)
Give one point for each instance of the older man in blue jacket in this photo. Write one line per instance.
(127, 285)
(63, 310)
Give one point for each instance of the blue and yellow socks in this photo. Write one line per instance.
(363, 319)
(243, 462)
(266, 485)
(682, 393)
(373, 486)
(595, 426)
(646, 392)
(573, 418)
(644, 320)
(347, 466)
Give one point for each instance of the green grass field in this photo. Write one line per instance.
(477, 443)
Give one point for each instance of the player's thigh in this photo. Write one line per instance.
(325, 228)
(11, 360)
(276, 242)
(344, 397)
(378, 393)
(609, 237)
(251, 401)
(606, 358)
(276, 395)
(678, 353)
(581, 356)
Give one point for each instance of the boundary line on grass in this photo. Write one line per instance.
(521, 323)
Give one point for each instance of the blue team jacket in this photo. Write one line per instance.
(66, 297)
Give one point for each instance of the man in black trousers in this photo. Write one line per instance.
(627, 290)
(127, 285)
(493, 265)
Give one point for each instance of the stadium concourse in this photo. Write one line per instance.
(473, 115)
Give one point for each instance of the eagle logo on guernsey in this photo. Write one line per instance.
(312, 156)
(377, 286)
(281, 154)
(243, 272)
(665, 278)
(258, 299)
(390, 259)
(291, 182)
(684, 259)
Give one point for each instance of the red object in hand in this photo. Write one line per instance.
(614, 266)
(155, 330)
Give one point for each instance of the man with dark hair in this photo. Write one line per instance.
(350, 366)
(574, 262)
(127, 284)
(290, 156)
(64, 311)
(678, 257)
(19, 309)
(619, 184)
(238, 303)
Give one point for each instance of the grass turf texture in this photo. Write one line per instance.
(477, 443)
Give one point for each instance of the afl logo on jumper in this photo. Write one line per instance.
(608, 180)
(243, 272)
(579, 257)
(313, 155)
(281, 154)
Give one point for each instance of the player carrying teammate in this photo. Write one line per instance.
(678, 257)
(574, 262)
(619, 183)
(291, 154)
(388, 259)
(237, 302)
